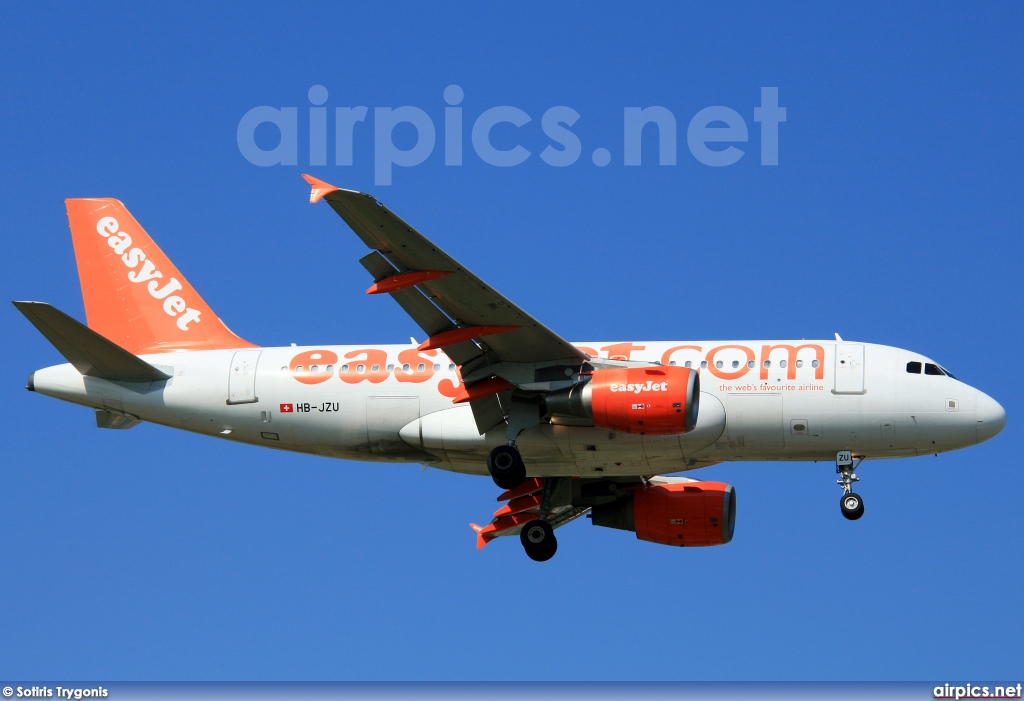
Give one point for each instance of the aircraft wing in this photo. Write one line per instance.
(525, 503)
(490, 338)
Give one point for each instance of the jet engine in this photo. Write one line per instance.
(684, 514)
(655, 401)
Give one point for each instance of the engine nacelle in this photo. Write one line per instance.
(688, 514)
(655, 401)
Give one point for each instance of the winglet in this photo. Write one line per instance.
(481, 540)
(320, 188)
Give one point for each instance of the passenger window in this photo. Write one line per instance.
(767, 363)
(671, 362)
(421, 367)
(314, 368)
(436, 367)
(330, 368)
(344, 368)
(782, 363)
(799, 363)
(360, 368)
(932, 369)
(390, 367)
(814, 363)
(718, 363)
(735, 364)
(703, 364)
(375, 368)
(914, 367)
(406, 367)
(298, 368)
(451, 367)
(687, 364)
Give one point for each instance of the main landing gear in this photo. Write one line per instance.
(508, 472)
(504, 463)
(538, 539)
(506, 466)
(851, 504)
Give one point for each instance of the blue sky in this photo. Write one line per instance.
(892, 217)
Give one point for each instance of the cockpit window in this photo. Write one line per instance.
(914, 367)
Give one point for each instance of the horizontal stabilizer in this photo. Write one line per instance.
(88, 351)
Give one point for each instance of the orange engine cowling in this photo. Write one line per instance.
(685, 514)
(655, 401)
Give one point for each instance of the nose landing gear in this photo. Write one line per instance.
(851, 504)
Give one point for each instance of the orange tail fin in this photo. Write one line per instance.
(134, 296)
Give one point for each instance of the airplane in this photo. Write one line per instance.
(565, 429)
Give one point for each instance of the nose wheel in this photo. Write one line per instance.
(851, 504)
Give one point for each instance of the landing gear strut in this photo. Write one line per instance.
(504, 463)
(506, 467)
(538, 539)
(851, 504)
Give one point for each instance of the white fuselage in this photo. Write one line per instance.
(760, 400)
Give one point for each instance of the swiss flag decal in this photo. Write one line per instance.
(287, 408)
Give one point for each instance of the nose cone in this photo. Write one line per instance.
(991, 417)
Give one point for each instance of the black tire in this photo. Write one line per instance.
(538, 539)
(852, 506)
(506, 467)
